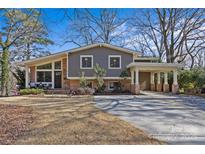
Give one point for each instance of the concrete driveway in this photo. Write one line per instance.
(176, 119)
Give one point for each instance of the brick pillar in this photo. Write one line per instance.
(159, 87)
(175, 88)
(166, 88)
(152, 86)
(135, 89)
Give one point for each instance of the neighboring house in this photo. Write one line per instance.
(64, 69)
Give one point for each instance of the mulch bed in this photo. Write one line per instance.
(14, 121)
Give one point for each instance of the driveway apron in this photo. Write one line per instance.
(176, 119)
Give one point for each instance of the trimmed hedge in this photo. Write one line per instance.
(31, 91)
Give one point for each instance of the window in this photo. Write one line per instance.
(44, 76)
(44, 73)
(46, 66)
(114, 62)
(113, 85)
(86, 61)
(58, 65)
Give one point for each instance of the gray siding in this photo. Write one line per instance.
(100, 56)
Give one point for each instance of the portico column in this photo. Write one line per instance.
(27, 76)
(136, 77)
(53, 75)
(132, 77)
(175, 77)
(175, 86)
(165, 85)
(135, 87)
(152, 85)
(159, 86)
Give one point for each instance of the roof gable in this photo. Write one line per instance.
(105, 46)
(55, 55)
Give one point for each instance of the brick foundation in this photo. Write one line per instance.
(159, 87)
(135, 89)
(175, 88)
(152, 87)
(165, 88)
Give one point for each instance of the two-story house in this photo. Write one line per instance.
(64, 69)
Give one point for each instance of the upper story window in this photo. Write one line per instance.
(45, 66)
(114, 62)
(86, 61)
(57, 65)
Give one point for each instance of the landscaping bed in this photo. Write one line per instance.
(201, 95)
(112, 93)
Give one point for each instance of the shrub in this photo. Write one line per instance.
(99, 73)
(185, 77)
(189, 86)
(83, 81)
(194, 76)
(31, 91)
(89, 91)
(124, 74)
(192, 80)
(84, 91)
(101, 89)
(80, 91)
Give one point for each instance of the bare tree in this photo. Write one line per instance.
(173, 34)
(87, 28)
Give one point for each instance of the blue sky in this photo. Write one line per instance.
(57, 24)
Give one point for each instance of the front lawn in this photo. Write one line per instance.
(14, 120)
(64, 120)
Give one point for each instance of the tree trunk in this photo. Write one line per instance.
(28, 54)
(192, 61)
(5, 73)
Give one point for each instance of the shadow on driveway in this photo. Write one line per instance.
(177, 119)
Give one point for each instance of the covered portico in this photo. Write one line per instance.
(156, 70)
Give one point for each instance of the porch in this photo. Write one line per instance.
(47, 75)
(158, 76)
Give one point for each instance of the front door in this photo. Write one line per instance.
(57, 79)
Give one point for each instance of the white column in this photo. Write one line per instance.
(158, 78)
(136, 76)
(175, 82)
(165, 78)
(53, 74)
(152, 78)
(27, 76)
(132, 76)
